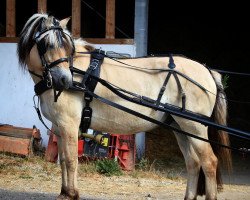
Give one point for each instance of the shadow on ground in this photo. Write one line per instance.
(15, 195)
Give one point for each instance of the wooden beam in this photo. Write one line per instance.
(9, 39)
(10, 18)
(109, 41)
(90, 40)
(42, 6)
(110, 19)
(76, 18)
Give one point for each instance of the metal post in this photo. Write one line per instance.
(141, 27)
(141, 43)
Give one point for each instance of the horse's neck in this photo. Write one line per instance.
(82, 58)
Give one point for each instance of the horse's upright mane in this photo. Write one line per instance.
(90, 47)
(26, 41)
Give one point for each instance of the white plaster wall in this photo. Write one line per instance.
(17, 89)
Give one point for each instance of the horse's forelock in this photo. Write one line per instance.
(26, 42)
(26, 37)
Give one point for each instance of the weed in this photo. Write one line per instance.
(87, 168)
(143, 164)
(225, 81)
(25, 176)
(108, 167)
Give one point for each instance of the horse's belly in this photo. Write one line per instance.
(112, 120)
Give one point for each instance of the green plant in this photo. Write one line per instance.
(143, 164)
(225, 81)
(108, 167)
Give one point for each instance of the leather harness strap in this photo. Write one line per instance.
(89, 83)
(171, 71)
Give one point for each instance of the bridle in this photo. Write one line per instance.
(39, 39)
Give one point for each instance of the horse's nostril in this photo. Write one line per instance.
(64, 82)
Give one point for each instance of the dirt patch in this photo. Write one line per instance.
(35, 176)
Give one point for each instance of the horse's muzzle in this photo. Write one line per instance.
(62, 78)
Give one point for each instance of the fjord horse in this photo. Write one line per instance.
(65, 114)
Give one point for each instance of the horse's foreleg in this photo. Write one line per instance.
(62, 164)
(192, 164)
(69, 143)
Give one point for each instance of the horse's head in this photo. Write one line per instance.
(46, 48)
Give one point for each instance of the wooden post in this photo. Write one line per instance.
(41, 6)
(10, 18)
(110, 19)
(76, 18)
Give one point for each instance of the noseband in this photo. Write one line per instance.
(46, 78)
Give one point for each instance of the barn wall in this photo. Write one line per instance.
(16, 88)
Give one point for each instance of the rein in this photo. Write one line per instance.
(145, 102)
(150, 103)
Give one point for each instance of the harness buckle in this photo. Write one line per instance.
(94, 64)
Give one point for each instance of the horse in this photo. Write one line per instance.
(202, 159)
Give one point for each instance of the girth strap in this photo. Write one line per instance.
(89, 83)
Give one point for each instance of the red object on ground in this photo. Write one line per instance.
(80, 147)
(123, 148)
(18, 140)
(51, 153)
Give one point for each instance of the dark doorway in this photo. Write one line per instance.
(216, 36)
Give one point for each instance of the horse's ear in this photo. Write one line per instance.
(64, 22)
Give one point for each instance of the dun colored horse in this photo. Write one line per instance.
(65, 114)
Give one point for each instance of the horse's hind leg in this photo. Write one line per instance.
(209, 166)
(205, 154)
(192, 164)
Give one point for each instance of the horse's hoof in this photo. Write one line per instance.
(68, 195)
(63, 197)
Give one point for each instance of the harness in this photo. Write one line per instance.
(92, 76)
(89, 83)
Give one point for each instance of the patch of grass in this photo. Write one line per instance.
(143, 164)
(170, 168)
(37, 168)
(108, 167)
(85, 169)
(25, 176)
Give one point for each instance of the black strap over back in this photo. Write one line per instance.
(171, 71)
(89, 83)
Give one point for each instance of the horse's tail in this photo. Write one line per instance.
(220, 117)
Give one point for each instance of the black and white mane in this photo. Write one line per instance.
(35, 24)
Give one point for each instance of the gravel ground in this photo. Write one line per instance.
(31, 179)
